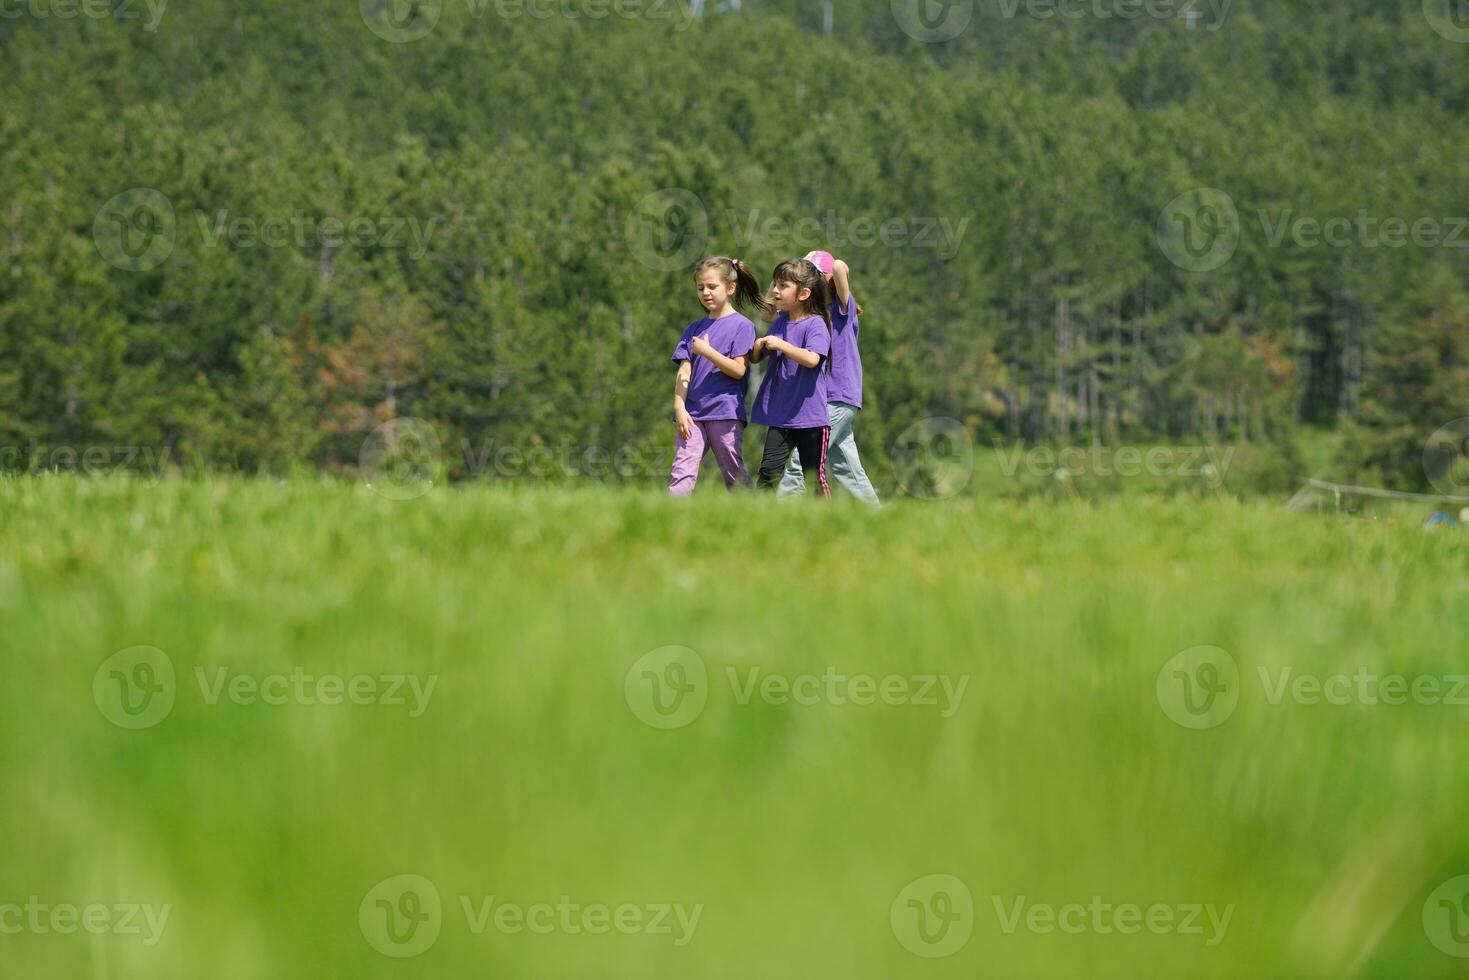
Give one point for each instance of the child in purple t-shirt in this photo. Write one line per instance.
(843, 388)
(792, 398)
(709, 389)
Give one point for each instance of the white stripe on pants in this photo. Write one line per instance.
(845, 467)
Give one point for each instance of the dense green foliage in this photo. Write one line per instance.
(504, 288)
(528, 774)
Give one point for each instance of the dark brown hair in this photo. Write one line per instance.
(747, 287)
(803, 274)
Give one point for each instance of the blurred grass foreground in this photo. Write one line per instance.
(293, 729)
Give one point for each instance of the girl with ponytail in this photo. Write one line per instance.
(709, 389)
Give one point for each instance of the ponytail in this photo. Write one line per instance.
(748, 291)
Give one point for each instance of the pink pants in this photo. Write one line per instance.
(723, 439)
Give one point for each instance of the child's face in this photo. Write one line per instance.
(788, 297)
(713, 291)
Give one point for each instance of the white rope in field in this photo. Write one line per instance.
(1304, 494)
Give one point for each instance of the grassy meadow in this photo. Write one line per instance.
(305, 731)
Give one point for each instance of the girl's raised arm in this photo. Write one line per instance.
(840, 276)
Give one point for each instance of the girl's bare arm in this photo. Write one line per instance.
(841, 278)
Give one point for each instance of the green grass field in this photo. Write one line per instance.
(575, 799)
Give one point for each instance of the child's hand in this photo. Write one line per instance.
(685, 423)
(772, 344)
(701, 346)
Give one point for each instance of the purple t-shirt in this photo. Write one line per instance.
(713, 395)
(845, 384)
(791, 396)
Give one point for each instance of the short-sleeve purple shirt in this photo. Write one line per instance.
(792, 396)
(845, 384)
(713, 395)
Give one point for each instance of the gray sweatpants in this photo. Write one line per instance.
(843, 465)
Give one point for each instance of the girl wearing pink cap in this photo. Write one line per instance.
(709, 389)
(844, 387)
